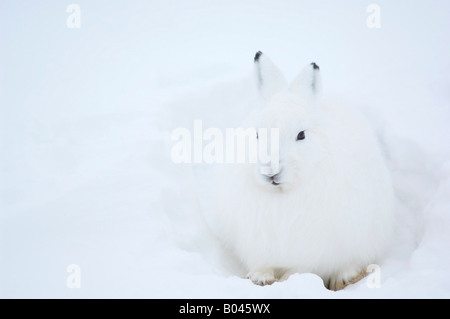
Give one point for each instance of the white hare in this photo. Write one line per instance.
(325, 207)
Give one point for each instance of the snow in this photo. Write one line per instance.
(86, 121)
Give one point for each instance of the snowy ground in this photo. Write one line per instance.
(87, 114)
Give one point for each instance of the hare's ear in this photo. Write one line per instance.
(308, 83)
(269, 79)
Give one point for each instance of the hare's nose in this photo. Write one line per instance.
(269, 175)
(270, 170)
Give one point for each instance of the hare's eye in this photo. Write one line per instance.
(301, 136)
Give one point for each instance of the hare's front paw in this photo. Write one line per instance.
(262, 277)
(344, 279)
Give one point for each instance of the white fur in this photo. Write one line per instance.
(332, 212)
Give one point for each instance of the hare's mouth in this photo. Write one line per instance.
(273, 180)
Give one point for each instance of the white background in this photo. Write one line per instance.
(86, 117)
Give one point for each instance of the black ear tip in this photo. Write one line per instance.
(315, 66)
(257, 56)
